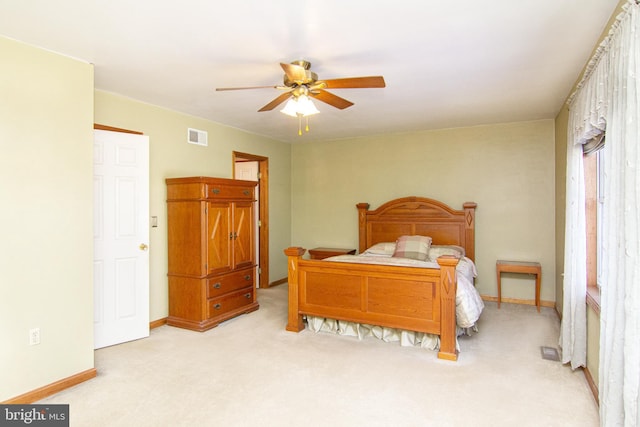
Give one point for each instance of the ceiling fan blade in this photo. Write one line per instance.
(247, 87)
(295, 73)
(354, 82)
(273, 104)
(331, 99)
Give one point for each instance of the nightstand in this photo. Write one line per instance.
(322, 253)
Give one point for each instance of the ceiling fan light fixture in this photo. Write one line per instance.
(291, 108)
(300, 106)
(306, 106)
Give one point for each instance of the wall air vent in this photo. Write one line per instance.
(198, 137)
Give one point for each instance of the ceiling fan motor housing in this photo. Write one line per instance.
(300, 76)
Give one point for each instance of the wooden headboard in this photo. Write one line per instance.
(418, 216)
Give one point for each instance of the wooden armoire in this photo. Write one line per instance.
(211, 245)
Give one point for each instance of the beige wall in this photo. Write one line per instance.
(171, 156)
(508, 169)
(593, 344)
(46, 118)
(47, 104)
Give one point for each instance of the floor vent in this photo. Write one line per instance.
(550, 353)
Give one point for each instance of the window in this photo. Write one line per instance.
(594, 198)
(599, 210)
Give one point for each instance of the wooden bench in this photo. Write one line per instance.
(523, 267)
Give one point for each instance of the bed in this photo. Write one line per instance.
(406, 297)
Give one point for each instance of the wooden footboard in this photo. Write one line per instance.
(416, 299)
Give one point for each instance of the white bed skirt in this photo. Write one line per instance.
(469, 306)
(360, 330)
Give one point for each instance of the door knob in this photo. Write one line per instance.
(143, 247)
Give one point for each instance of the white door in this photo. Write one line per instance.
(248, 171)
(121, 237)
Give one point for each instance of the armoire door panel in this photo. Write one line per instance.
(243, 246)
(184, 238)
(219, 237)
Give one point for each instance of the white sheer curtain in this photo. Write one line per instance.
(608, 97)
(619, 379)
(587, 119)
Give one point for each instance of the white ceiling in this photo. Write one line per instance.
(446, 63)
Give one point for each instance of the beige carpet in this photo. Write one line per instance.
(249, 371)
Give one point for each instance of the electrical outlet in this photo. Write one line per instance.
(34, 336)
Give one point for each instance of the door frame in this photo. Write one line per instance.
(97, 126)
(263, 211)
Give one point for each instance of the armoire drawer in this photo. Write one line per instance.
(229, 302)
(216, 191)
(224, 283)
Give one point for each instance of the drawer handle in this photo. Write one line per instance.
(247, 295)
(246, 192)
(217, 306)
(217, 285)
(215, 190)
(247, 277)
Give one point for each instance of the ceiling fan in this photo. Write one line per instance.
(300, 81)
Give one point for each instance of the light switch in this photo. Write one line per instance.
(154, 221)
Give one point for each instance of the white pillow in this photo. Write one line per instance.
(436, 251)
(384, 248)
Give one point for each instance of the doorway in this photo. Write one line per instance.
(263, 211)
